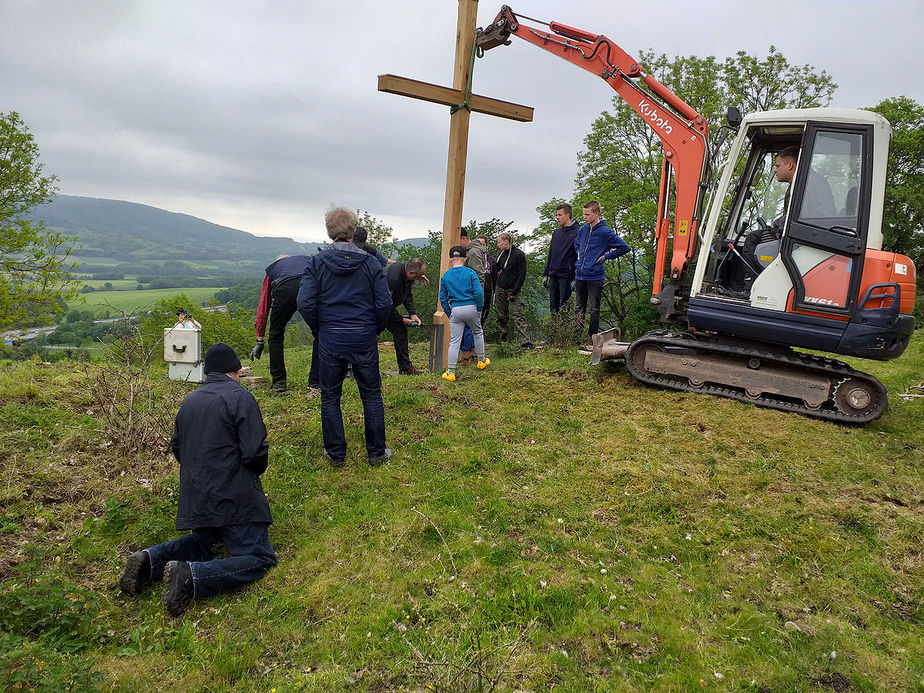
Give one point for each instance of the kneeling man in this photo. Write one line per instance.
(219, 439)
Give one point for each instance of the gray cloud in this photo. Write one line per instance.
(259, 115)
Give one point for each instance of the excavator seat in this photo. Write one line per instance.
(765, 253)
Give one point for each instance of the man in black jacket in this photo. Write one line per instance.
(401, 277)
(511, 273)
(558, 276)
(219, 439)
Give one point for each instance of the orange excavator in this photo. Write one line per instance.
(817, 278)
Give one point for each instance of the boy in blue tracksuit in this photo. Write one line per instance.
(595, 243)
(462, 299)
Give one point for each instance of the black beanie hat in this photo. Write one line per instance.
(220, 358)
(457, 251)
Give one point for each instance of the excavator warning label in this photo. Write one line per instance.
(683, 226)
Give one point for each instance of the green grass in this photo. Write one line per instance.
(545, 522)
(112, 302)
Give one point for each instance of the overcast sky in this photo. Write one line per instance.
(260, 115)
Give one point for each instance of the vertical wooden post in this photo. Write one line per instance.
(458, 154)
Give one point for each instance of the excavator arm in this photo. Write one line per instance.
(683, 132)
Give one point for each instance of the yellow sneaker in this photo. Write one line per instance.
(484, 364)
(451, 377)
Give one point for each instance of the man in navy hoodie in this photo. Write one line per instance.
(345, 300)
(595, 243)
(558, 275)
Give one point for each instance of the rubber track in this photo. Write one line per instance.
(797, 361)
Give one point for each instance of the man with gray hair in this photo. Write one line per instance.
(344, 298)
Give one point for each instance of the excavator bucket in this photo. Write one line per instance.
(607, 346)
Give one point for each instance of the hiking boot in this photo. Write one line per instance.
(333, 462)
(409, 371)
(279, 386)
(137, 573)
(484, 364)
(178, 587)
(527, 346)
(451, 377)
(379, 460)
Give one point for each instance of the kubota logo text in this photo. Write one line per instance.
(647, 111)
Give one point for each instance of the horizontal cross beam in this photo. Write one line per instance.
(434, 93)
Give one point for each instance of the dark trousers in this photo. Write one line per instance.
(333, 368)
(508, 304)
(248, 543)
(488, 293)
(283, 307)
(399, 335)
(314, 380)
(559, 292)
(587, 291)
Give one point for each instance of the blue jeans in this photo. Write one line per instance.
(587, 291)
(559, 292)
(333, 367)
(251, 556)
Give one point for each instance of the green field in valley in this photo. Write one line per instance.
(135, 301)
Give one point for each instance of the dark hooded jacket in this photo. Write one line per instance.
(344, 298)
(219, 439)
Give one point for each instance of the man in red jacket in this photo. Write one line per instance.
(278, 301)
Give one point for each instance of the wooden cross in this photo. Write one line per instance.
(458, 145)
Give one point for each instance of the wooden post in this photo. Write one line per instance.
(458, 144)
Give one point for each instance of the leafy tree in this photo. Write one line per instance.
(246, 294)
(620, 165)
(379, 232)
(903, 214)
(35, 278)
(233, 326)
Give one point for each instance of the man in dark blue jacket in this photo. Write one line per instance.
(219, 439)
(558, 275)
(344, 298)
(595, 243)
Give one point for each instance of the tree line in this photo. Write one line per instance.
(619, 165)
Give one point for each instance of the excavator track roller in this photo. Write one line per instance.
(782, 379)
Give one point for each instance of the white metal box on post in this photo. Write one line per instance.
(183, 351)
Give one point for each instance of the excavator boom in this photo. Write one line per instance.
(683, 132)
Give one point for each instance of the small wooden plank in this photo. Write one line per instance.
(434, 93)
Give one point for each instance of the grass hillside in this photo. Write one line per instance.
(543, 525)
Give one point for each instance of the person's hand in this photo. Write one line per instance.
(423, 280)
(257, 351)
(545, 281)
(414, 320)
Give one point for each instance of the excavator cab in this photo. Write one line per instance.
(800, 263)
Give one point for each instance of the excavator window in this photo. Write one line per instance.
(832, 185)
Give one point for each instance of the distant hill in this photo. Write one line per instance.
(120, 240)
(140, 239)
